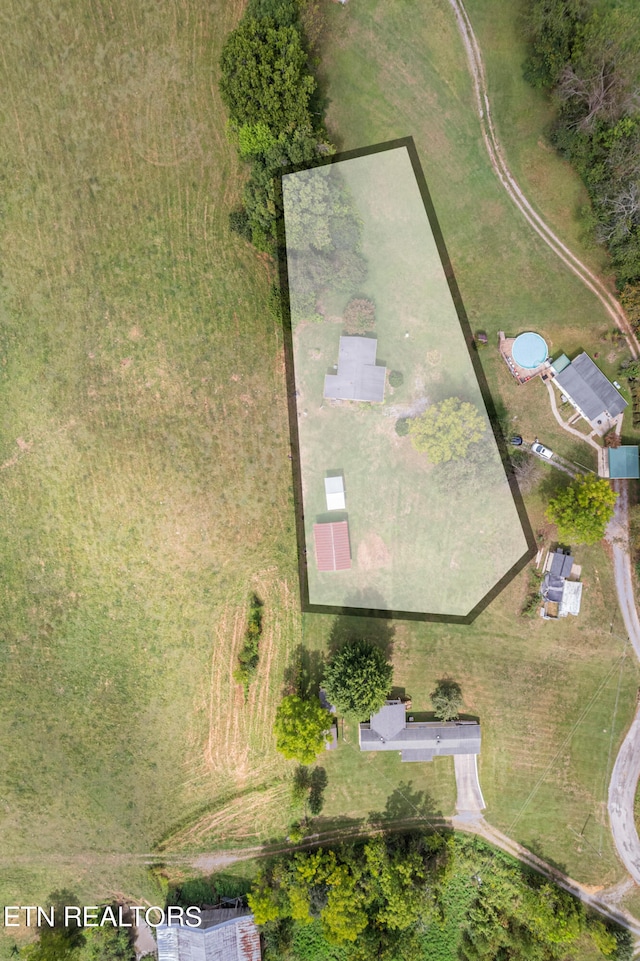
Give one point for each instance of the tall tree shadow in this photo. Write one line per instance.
(405, 803)
(346, 628)
(303, 673)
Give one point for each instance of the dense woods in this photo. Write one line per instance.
(586, 53)
(421, 897)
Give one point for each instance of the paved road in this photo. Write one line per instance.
(626, 770)
(470, 800)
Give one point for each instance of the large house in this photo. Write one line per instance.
(389, 730)
(225, 934)
(357, 377)
(588, 390)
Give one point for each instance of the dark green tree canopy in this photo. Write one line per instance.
(446, 699)
(358, 679)
(264, 77)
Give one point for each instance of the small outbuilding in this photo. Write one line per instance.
(225, 934)
(333, 551)
(334, 493)
(624, 462)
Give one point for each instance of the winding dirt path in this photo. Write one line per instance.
(626, 770)
(508, 181)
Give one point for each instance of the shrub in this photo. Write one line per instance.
(396, 379)
(359, 316)
(248, 657)
(402, 426)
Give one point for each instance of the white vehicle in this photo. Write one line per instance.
(542, 451)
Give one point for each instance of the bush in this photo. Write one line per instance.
(239, 224)
(359, 316)
(402, 426)
(248, 657)
(396, 379)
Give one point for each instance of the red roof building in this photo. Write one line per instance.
(333, 552)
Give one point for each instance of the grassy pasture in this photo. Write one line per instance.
(145, 483)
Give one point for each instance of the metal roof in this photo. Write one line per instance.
(624, 462)
(560, 363)
(434, 737)
(224, 935)
(333, 552)
(561, 564)
(334, 492)
(585, 384)
(358, 377)
(571, 597)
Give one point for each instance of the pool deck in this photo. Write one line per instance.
(521, 374)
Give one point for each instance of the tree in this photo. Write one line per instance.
(358, 678)
(264, 77)
(447, 430)
(300, 728)
(446, 700)
(582, 511)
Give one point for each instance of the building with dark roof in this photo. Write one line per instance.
(590, 392)
(225, 934)
(389, 730)
(357, 377)
(333, 551)
(561, 590)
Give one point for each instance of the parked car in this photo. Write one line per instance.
(542, 451)
(516, 440)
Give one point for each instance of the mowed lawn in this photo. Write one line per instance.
(145, 486)
(410, 525)
(554, 699)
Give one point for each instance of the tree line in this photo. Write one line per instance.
(587, 55)
(419, 896)
(275, 107)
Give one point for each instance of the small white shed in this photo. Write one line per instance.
(334, 491)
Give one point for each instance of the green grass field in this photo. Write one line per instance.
(422, 539)
(146, 487)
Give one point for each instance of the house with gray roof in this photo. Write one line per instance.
(389, 730)
(225, 934)
(357, 377)
(590, 392)
(561, 588)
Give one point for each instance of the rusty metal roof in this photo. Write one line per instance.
(333, 552)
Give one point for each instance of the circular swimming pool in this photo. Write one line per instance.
(529, 350)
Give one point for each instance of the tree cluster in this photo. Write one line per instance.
(589, 59)
(275, 112)
(417, 897)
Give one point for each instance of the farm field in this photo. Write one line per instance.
(146, 489)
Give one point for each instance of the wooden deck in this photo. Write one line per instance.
(521, 374)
